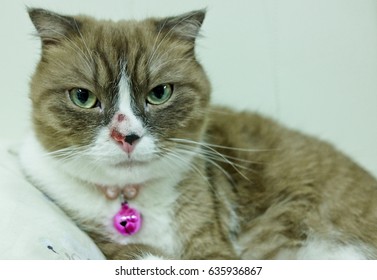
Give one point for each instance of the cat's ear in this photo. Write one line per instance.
(186, 26)
(52, 27)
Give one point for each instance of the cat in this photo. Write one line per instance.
(122, 119)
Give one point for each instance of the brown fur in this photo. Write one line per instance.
(283, 186)
(297, 185)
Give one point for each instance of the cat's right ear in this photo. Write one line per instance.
(52, 27)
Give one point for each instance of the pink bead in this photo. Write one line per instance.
(127, 221)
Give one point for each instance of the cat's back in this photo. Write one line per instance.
(261, 141)
(289, 187)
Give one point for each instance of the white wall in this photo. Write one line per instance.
(312, 64)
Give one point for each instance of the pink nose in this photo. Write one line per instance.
(127, 142)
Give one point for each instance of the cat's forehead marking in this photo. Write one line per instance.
(124, 93)
(132, 123)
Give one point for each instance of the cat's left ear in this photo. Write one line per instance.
(52, 27)
(185, 27)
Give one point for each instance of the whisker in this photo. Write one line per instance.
(225, 159)
(176, 156)
(67, 154)
(213, 157)
(180, 140)
(208, 159)
(210, 152)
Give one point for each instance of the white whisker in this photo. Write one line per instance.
(180, 140)
(211, 154)
(208, 159)
(177, 158)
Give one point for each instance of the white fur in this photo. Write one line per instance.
(150, 257)
(155, 200)
(320, 249)
(71, 181)
(132, 124)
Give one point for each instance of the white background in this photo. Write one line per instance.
(311, 64)
(271, 270)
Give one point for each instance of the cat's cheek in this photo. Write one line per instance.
(145, 150)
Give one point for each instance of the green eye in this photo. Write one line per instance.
(160, 94)
(83, 98)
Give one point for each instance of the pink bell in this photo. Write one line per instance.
(127, 221)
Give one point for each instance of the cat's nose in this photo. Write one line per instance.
(127, 142)
(131, 138)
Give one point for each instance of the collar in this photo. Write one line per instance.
(127, 221)
(128, 192)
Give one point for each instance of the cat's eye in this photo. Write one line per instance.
(83, 98)
(160, 94)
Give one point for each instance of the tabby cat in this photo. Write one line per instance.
(126, 143)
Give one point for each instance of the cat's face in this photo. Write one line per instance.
(110, 98)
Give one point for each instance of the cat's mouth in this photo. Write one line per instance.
(130, 163)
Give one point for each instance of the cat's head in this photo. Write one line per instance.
(111, 99)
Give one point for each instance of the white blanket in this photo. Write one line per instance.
(32, 227)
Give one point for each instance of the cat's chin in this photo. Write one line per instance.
(117, 174)
(129, 164)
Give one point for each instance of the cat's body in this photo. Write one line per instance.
(211, 182)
